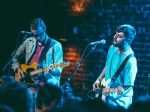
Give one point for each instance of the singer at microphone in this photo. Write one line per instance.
(98, 42)
(38, 51)
(27, 33)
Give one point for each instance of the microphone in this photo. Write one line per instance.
(98, 42)
(26, 33)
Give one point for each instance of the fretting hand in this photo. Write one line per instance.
(50, 67)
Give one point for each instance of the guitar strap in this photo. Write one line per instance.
(50, 42)
(121, 67)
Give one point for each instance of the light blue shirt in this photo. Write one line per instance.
(126, 77)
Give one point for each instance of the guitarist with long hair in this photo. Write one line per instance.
(39, 51)
(119, 91)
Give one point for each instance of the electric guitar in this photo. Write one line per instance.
(104, 90)
(30, 71)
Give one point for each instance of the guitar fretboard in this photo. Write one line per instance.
(39, 71)
(56, 65)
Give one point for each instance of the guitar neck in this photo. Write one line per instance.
(39, 71)
(62, 65)
(44, 69)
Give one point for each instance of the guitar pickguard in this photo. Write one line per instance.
(28, 79)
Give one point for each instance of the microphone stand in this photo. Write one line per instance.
(12, 55)
(66, 83)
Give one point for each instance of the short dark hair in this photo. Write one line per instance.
(37, 22)
(128, 30)
(47, 94)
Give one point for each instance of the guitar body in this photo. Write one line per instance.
(27, 69)
(105, 84)
(105, 89)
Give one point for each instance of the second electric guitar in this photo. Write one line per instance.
(105, 87)
(30, 71)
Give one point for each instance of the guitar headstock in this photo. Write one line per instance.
(65, 64)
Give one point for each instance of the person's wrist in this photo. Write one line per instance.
(18, 68)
